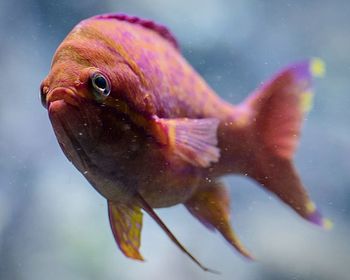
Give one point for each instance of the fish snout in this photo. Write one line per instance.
(66, 94)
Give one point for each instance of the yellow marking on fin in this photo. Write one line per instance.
(171, 133)
(306, 101)
(126, 224)
(317, 67)
(327, 224)
(310, 207)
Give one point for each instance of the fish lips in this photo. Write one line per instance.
(62, 94)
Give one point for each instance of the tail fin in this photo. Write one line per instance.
(279, 107)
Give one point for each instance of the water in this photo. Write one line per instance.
(53, 224)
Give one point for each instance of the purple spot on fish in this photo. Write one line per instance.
(316, 218)
(302, 70)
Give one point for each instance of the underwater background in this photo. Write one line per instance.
(53, 224)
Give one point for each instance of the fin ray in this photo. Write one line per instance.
(193, 140)
(156, 218)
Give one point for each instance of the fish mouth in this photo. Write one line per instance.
(65, 120)
(66, 94)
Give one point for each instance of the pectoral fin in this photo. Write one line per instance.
(126, 224)
(192, 140)
(211, 206)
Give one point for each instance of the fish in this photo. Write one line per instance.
(147, 131)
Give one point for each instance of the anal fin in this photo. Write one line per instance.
(126, 224)
(193, 140)
(211, 206)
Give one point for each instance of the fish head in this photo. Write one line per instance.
(89, 126)
(75, 85)
(73, 94)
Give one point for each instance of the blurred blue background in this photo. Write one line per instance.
(53, 225)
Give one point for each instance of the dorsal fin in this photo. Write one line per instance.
(149, 24)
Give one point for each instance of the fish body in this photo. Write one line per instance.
(147, 131)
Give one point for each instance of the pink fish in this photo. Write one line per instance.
(147, 131)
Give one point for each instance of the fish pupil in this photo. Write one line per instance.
(101, 82)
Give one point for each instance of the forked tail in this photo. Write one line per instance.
(278, 109)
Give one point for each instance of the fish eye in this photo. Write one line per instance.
(100, 84)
